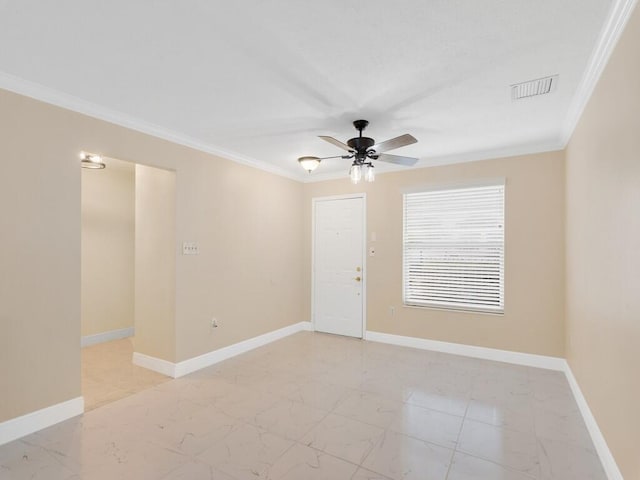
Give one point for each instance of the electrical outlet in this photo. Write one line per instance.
(190, 248)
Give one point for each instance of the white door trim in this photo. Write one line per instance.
(315, 200)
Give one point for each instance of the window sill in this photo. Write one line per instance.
(477, 311)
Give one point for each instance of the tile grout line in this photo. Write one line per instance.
(455, 448)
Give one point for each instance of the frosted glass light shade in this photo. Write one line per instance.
(309, 163)
(369, 174)
(355, 173)
(92, 161)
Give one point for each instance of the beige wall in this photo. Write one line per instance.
(250, 270)
(253, 230)
(39, 257)
(107, 247)
(534, 255)
(603, 252)
(248, 224)
(155, 262)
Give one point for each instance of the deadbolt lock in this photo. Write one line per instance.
(358, 269)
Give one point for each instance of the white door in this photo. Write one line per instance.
(338, 273)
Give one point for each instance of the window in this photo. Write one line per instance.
(454, 248)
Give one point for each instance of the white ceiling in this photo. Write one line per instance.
(259, 80)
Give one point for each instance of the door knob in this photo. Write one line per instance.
(357, 279)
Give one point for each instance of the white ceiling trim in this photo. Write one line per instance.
(618, 17)
(511, 151)
(70, 102)
(611, 32)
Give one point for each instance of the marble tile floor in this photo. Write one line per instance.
(108, 374)
(321, 407)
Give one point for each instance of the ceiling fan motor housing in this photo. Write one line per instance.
(361, 145)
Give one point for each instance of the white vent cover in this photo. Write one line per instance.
(533, 88)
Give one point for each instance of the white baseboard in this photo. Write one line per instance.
(527, 359)
(32, 422)
(18, 427)
(107, 336)
(159, 365)
(180, 369)
(606, 457)
(188, 366)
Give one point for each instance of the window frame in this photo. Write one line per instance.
(482, 309)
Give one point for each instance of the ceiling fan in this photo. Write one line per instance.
(362, 150)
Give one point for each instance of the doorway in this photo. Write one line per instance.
(115, 217)
(338, 273)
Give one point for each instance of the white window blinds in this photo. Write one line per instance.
(454, 248)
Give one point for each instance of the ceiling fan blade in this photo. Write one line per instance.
(396, 159)
(337, 143)
(397, 142)
(336, 156)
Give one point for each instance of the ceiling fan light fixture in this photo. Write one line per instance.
(369, 174)
(364, 150)
(309, 163)
(355, 173)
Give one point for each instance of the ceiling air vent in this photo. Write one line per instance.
(533, 88)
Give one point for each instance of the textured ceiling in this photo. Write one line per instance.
(261, 79)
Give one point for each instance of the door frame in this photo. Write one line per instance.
(314, 201)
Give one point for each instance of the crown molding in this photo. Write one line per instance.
(552, 145)
(69, 102)
(610, 34)
(51, 96)
(618, 17)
